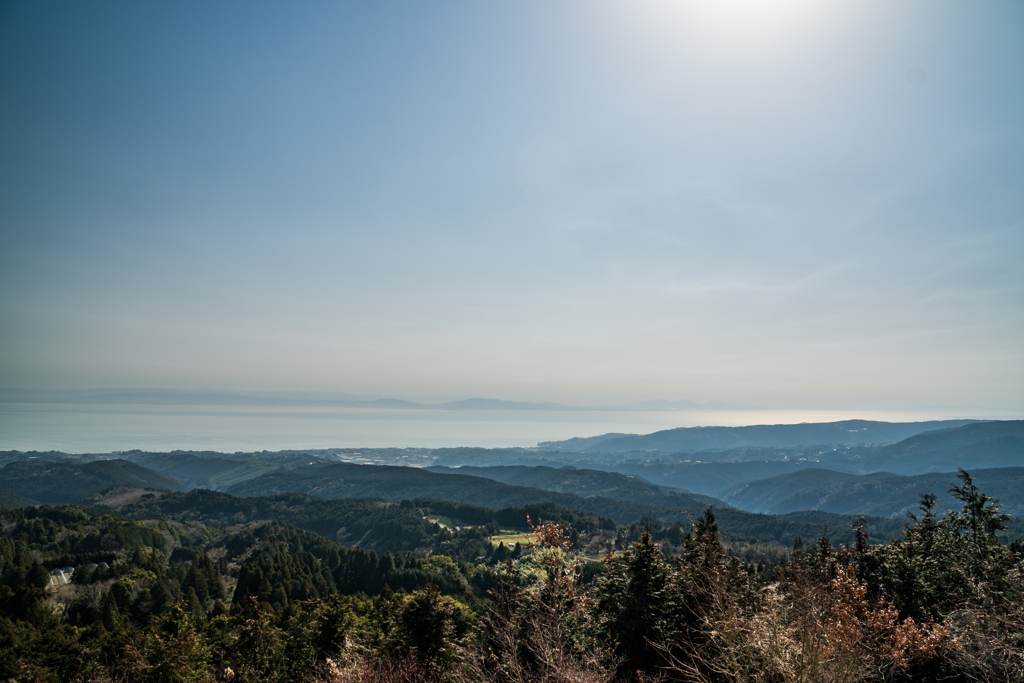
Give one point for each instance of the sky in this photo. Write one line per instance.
(783, 203)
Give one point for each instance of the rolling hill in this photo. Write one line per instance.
(345, 480)
(691, 439)
(882, 494)
(584, 483)
(976, 445)
(979, 445)
(200, 471)
(705, 478)
(394, 484)
(58, 483)
(12, 501)
(763, 495)
(367, 522)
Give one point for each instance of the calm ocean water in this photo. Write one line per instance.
(75, 428)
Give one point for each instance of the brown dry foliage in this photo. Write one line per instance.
(549, 534)
(808, 632)
(852, 626)
(393, 669)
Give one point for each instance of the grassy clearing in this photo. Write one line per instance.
(510, 538)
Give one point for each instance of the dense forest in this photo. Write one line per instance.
(203, 586)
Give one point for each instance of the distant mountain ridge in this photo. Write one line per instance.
(836, 479)
(975, 445)
(881, 494)
(580, 444)
(692, 439)
(978, 445)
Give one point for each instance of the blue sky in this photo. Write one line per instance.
(785, 203)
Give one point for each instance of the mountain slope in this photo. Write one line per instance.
(763, 495)
(979, 445)
(12, 501)
(367, 522)
(196, 471)
(882, 494)
(345, 480)
(58, 483)
(584, 483)
(690, 439)
(706, 478)
(580, 443)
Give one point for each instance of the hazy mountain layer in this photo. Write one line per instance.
(584, 483)
(705, 478)
(580, 444)
(690, 439)
(881, 494)
(978, 445)
(764, 495)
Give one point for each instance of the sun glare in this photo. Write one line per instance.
(743, 25)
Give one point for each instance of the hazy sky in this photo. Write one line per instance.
(791, 203)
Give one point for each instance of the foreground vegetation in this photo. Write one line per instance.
(188, 588)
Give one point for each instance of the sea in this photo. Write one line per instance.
(90, 428)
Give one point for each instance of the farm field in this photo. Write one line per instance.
(510, 538)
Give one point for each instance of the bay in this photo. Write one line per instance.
(88, 428)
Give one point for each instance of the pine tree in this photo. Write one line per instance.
(636, 599)
(976, 524)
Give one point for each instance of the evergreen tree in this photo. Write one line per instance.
(975, 526)
(635, 597)
(426, 627)
(256, 654)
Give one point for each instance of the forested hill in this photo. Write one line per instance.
(692, 439)
(213, 471)
(57, 483)
(370, 523)
(584, 483)
(973, 446)
(12, 501)
(978, 445)
(201, 586)
(346, 480)
(401, 483)
(882, 493)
